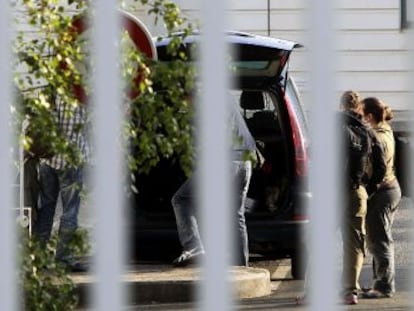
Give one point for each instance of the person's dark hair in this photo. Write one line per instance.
(389, 115)
(379, 110)
(350, 100)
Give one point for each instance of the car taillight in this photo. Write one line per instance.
(301, 157)
(300, 217)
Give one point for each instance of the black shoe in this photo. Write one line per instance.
(366, 289)
(77, 267)
(375, 294)
(188, 257)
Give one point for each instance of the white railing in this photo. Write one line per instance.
(107, 173)
(107, 197)
(214, 184)
(8, 286)
(324, 205)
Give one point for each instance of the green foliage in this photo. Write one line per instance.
(49, 61)
(159, 123)
(44, 282)
(45, 63)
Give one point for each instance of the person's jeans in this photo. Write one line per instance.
(243, 173)
(185, 214)
(69, 184)
(381, 210)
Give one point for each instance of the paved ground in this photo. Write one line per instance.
(149, 283)
(284, 290)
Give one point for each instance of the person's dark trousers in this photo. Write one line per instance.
(31, 186)
(68, 183)
(31, 183)
(380, 216)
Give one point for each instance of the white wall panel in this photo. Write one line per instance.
(369, 20)
(368, 4)
(365, 81)
(372, 40)
(374, 81)
(373, 61)
(291, 4)
(363, 41)
(293, 35)
(247, 5)
(359, 61)
(253, 20)
(368, 34)
(368, 82)
(377, 61)
(396, 100)
(287, 20)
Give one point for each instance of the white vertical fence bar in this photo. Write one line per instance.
(324, 171)
(410, 155)
(214, 185)
(8, 286)
(107, 172)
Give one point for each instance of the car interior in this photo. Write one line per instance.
(269, 195)
(269, 184)
(268, 191)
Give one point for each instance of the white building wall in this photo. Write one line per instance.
(373, 54)
(372, 50)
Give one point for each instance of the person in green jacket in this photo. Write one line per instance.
(382, 205)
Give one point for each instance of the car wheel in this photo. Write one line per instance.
(298, 266)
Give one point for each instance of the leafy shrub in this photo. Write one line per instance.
(44, 282)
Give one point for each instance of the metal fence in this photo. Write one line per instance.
(215, 293)
(7, 242)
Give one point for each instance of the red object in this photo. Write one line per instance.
(301, 155)
(139, 35)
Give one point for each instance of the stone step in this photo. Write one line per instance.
(165, 284)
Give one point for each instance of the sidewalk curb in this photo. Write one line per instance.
(163, 284)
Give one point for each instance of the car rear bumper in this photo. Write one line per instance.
(277, 238)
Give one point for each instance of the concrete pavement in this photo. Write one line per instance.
(149, 283)
(268, 286)
(283, 288)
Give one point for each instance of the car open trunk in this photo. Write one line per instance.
(269, 187)
(269, 196)
(270, 105)
(270, 183)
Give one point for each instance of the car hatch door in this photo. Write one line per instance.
(258, 59)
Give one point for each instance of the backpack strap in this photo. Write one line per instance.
(379, 163)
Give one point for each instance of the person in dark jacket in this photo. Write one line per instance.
(360, 178)
(382, 205)
(355, 185)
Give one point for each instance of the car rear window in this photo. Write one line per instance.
(262, 120)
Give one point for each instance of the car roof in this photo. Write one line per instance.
(238, 37)
(256, 60)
